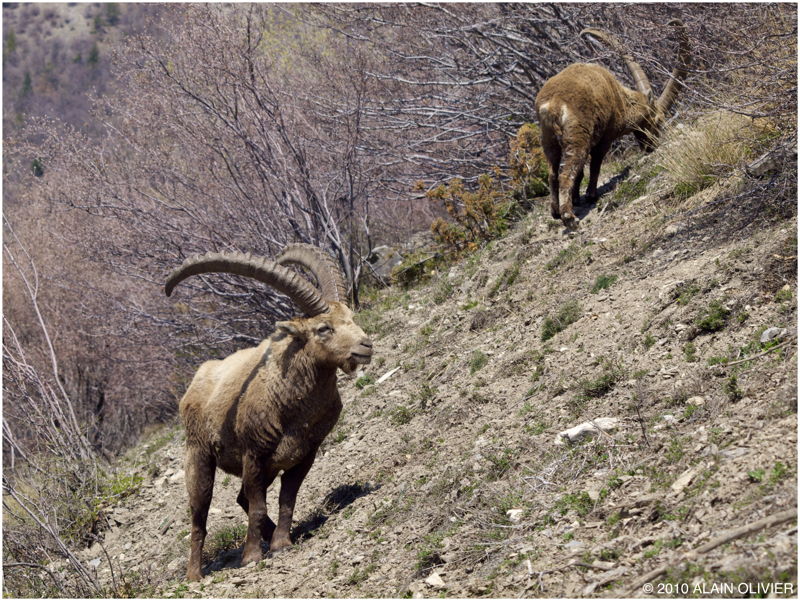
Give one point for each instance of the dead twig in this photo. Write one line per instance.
(766, 352)
(777, 518)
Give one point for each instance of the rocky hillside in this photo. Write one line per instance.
(448, 474)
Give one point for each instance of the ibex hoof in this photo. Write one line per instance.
(570, 221)
(279, 546)
(248, 558)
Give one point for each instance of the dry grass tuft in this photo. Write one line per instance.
(697, 155)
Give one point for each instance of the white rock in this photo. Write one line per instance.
(698, 401)
(515, 515)
(591, 428)
(435, 581)
(177, 476)
(684, 480)
(95, 562)
(772, 334)
(575, 546)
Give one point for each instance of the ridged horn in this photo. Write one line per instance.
(639, 77)
(674, 84)
(262, 269)
(321, 265)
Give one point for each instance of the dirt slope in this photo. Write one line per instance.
(415, 491)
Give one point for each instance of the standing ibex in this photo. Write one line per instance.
(266, 409)
(584, 108)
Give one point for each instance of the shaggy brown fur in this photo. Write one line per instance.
(584, 108)
(265, 409)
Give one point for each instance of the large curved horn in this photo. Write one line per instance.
(670, 92)
(639, 77)
(321, 265)
(264, 270)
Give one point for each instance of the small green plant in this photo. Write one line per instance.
(675, 451)
(731, 388)
(360, 575)
(649, 341)
(630, 189)
(365, 381)
(506, 279)
(602, 282)
(714, 318)
(654, 550)
(591, 388)
(685, 292)
(225, 539)
(580, 502)
(564, 257)
(568, 314)
(443, 291)
(756, 475)
(689, 352)
(401, 415)
(428, 555)
(778, 473)
(689, 411)
(425, 394)
(477, 361)
(784, 295)
(500, 463)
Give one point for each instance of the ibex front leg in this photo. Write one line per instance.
(257, 473)
(290, 484)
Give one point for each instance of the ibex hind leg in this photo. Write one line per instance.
(200, 468)
(597, 155)
(553, 155)
(569, 184)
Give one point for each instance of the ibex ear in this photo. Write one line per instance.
(650, 97)
(290, 328)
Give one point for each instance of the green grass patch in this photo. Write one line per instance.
(580, 502)
(714, 318)
(401, 415)
(477, 361)
(568, 314)
(602, 282)
(564, 257)
(364, 381)
(506, 279)
(229, 537)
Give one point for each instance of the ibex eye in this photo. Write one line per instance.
(324, 329)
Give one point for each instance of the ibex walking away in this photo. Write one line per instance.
(584, 108)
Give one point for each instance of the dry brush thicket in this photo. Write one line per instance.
(248, 127)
